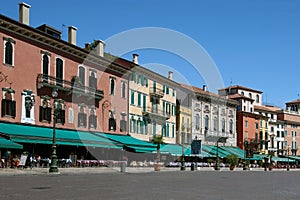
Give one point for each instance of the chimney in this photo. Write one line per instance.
(170, 75)
(204, 88)
(100, 48)
(24, 13)
(72, 35)
(135, 58)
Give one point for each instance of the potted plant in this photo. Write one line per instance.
(158, 140)
(232, 160)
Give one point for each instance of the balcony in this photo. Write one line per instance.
(152, 113)
(70, 87)
(156, 92)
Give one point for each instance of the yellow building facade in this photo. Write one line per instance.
(152, 105)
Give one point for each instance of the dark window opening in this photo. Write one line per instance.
(112, 126)
(82, 76)
(81, 120)
(112, 86)
(93, 81)
(59, 72)
(8, 53)
(123, 125)
(8, 108)
(45, 114)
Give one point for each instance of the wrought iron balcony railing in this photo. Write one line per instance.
(73, 87)
(156, 112)
(156, 92)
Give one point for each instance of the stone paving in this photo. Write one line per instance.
(96, 170)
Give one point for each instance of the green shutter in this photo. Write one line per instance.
(173, 131)
(139, 100)
(144, 103)
(154, 86)
(146, 82)
(132, 98)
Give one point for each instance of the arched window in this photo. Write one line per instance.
(59, 71)
(93, 80)
(206, 123)
(231, 126)
(250, 95)
(45, 65)
(223, 125)
(242, 93)
(112, 86)
(257, 98)
(215, 124)
(8, 53)
(81, 75)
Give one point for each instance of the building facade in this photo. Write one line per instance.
(249, 124)
(40, 71)
(152, 104)
(213, 117)
(291, 117)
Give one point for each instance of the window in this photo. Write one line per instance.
(45, 65)
(71, 115)
(60, 115)
(82, 117)
(278, 133)
(123, 89)
(92, 119)
(215, 124)
(294, 134)
(59, 71)
(154, 128)
(112, 126)
(256, 125)
(206, 123)
(174, 93)
(112, 86)
(242, 93)
(154, 86)
(223, 125)
(173, 131)
(123, 125)
(132, 97)
(28, 106)
(250, 95)
(197, 122)
(139, 99)
(231, 126)
(131, 124)
(8, 106)
(144, 102)
(257, 98)
(93, 80)
(81, 75)
(45, 114)
(246, 124)
(9, 51)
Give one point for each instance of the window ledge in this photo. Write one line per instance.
(8, 65)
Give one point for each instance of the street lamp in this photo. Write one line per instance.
(217, 167)
(57, 107)
(288, 166)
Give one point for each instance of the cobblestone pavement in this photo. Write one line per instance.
(96, 170)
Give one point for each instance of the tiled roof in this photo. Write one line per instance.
(239, 96)
(293, 102)
(242, 88)
(267, 108)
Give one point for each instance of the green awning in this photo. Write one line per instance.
(279, 159)
(130, 143)
(43, 135)
(235, 151)
(175, 150)
(8, 144)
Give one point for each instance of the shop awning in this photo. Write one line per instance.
(175, 150)
(130, 143)
(279, 159)
(8, 144)
(43, 135)
(235, 151)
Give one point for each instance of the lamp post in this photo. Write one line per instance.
(288, 166)
(217, 167)
(53, 166)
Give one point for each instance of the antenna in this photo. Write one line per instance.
(63, 26)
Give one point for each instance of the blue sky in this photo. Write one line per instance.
(254, 43)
